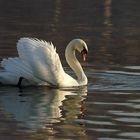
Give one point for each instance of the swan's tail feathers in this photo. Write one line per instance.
(15, 68)
(8, 78)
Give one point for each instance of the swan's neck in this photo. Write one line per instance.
(75, 65)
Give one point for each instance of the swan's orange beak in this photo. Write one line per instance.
(84, 55)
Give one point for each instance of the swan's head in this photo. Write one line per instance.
(81, 47)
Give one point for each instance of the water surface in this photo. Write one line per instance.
(108, 108)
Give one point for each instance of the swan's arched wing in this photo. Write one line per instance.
(42, 58)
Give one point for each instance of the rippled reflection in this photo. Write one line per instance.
(34, 109)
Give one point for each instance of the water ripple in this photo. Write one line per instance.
(94, 122)
(122, 113)
(115, 81)
(129, 120)
(133, 135)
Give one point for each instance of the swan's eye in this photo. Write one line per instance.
(84, 51)
(84, 54)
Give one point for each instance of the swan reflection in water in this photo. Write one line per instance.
(38, 107)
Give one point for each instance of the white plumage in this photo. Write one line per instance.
(39, 64)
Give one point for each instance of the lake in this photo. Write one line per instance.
(108, 108)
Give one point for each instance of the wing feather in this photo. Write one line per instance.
(42, 58)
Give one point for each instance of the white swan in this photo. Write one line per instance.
(39, 64)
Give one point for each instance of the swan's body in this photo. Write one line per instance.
(39, 64)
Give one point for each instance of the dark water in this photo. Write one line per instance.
(109, 107)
